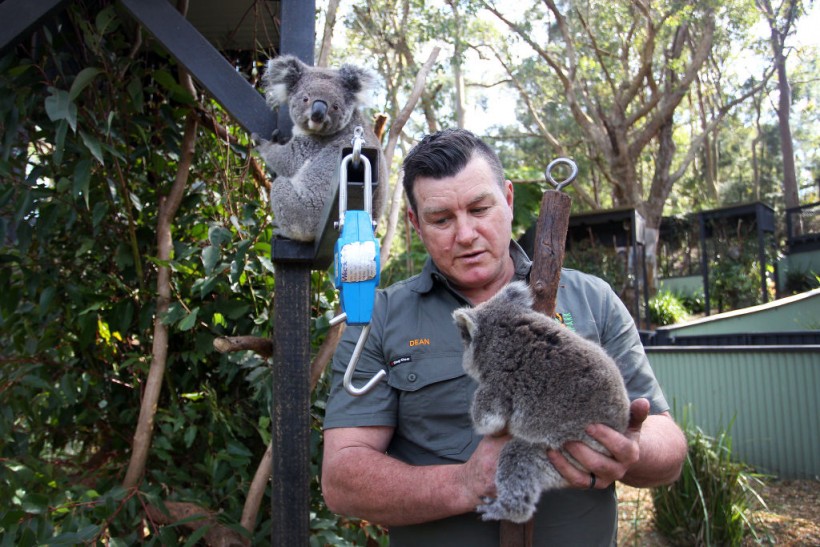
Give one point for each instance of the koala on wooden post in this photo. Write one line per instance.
(540, 382)
(324, 106)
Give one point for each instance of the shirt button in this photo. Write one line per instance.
(412, 377)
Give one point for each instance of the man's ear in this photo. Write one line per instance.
(415, 222)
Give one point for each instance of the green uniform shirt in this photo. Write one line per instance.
(426, 396)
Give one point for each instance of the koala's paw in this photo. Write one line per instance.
(514, 510)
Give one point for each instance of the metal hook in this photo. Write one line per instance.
(567, 181)
(347, 382)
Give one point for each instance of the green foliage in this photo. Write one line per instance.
(91, 134)
(710, 502)
(610, 264)
(692, 303)
(801, 281)
(666, 308)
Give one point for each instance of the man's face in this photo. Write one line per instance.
(465, 222)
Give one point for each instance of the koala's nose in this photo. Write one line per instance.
(319, 111)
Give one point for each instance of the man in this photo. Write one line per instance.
(405, 455)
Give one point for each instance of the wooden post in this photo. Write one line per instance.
(548, 251)
(547, 259)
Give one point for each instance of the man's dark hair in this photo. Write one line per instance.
(444, 154)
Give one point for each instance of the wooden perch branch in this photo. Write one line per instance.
(217, 535)
(229, 344)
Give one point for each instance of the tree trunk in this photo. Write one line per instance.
(458, 75)
(327, 37)
(778, 42)
(790, 193)
(148, 409)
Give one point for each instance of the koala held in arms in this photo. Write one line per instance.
(324, 106)
(540, 382)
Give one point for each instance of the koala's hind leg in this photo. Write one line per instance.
(524, 471)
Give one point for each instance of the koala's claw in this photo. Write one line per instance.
(495, 509)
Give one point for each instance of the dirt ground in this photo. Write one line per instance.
(791, 516)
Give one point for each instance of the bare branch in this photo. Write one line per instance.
(673, 96)
(392, 139)
(542, 127)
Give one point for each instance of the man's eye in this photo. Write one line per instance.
(480, 210)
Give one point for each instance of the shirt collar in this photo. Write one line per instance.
(430, 274)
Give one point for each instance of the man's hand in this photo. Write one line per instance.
(625, 450)
(478, 473)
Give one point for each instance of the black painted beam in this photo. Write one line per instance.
(207, 66)
(20, 17)
(290, 413)
(293, 261)
(297, 35)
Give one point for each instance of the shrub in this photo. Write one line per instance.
(801, 281)
(665, 308)
(708, 505)
(693, 303)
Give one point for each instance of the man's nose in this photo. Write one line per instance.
(465, 230)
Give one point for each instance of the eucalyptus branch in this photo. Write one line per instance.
(392, 138)
(168, 207)
(542, 127)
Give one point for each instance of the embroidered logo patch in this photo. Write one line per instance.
(400, 360)
(566, 320)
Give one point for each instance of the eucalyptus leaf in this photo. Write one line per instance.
(189, 320)
(219, 236)
(94, 146)
(85, 77)
(210, 257)
(60, 107)
(82, 180)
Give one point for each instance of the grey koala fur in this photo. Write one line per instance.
(543, 384)
(324, 106)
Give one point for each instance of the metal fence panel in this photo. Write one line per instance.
(771, 393)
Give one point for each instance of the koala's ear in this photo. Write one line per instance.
(281, 76)
(357, 81)
(465, 323)
(517, 294)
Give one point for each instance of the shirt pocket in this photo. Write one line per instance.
(434, 404)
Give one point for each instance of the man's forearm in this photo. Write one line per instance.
(374, 486)
(662, 452)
